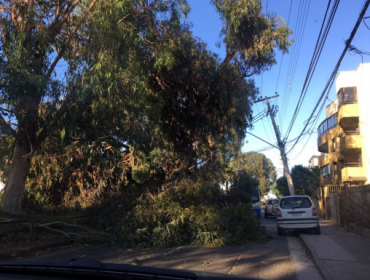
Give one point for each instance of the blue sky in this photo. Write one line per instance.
(206, 26)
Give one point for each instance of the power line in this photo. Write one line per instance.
(268, 137)
(315, 58)
(304, 19)
(366, 23)
(314, 124)
(301, 17)
(262, 140)
(281, 62)
(335, 71)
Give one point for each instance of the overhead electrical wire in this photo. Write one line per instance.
(335, 71)
(315, 58)
(304, 19)
(264, 127)
(299, 30)
(281, 61)
(259, 116)
(366, 23)
(311, 130)
(286, 94)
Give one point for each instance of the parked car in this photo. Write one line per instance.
(297, 212)
(269, 210)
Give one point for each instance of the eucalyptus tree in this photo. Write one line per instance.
(129, 72)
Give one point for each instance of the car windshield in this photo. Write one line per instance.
(295, 202)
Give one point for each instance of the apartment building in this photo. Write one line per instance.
(314, 161)
(344, 136)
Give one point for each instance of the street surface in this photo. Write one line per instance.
(271, 260)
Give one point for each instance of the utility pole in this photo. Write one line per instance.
(280, 144)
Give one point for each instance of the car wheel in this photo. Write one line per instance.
(280, 231)
(317, 230)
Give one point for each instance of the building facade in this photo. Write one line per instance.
(314, 161)
(344, 136)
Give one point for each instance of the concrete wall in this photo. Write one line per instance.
(354, 206)
(334, 209)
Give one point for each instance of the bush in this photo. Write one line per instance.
(189, 213)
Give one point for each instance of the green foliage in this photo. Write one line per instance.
(243, 186)
(305, 180)
(281, 188)
(188, 213)
(141, 128)
(251, 38)
(6, 149)
(258, 166)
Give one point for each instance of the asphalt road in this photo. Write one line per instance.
(270, 260)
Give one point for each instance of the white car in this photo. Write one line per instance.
(297, 212)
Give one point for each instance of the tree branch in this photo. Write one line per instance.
(30, 5)
(59, 113)
(63, 49)
(5, 124)
(57, 24)
(7, 110)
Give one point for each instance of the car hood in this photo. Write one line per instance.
(89, 266)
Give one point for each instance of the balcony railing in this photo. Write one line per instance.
(352, 164)
(328, 124)
(350, 132)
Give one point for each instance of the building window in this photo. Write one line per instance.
(325, 170)
(334, 145)
(335, 167)
(328, 124)
(347, 95)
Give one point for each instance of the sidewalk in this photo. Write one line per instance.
(339, 254)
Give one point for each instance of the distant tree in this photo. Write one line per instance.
(243, 186)
(281, 188)
(306, 181)
(259, 167)
(274, 188)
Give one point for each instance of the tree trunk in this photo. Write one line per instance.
(12, 196)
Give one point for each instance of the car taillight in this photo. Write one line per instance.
(314, 212)
(278, 213)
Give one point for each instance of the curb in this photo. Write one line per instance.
(320, 266)
(22, 252)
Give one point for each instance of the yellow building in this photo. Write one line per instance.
(344, 136)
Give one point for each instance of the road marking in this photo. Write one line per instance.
(170, 252)
(304, 268)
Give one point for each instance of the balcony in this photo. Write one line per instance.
(348, 115)
(350, 141)
(324, 160)
(327, 130)
(329, 158)
(353, 172)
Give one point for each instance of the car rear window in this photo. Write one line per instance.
(273, 202)
(295, 202)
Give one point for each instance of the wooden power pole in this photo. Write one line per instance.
(280, 145)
